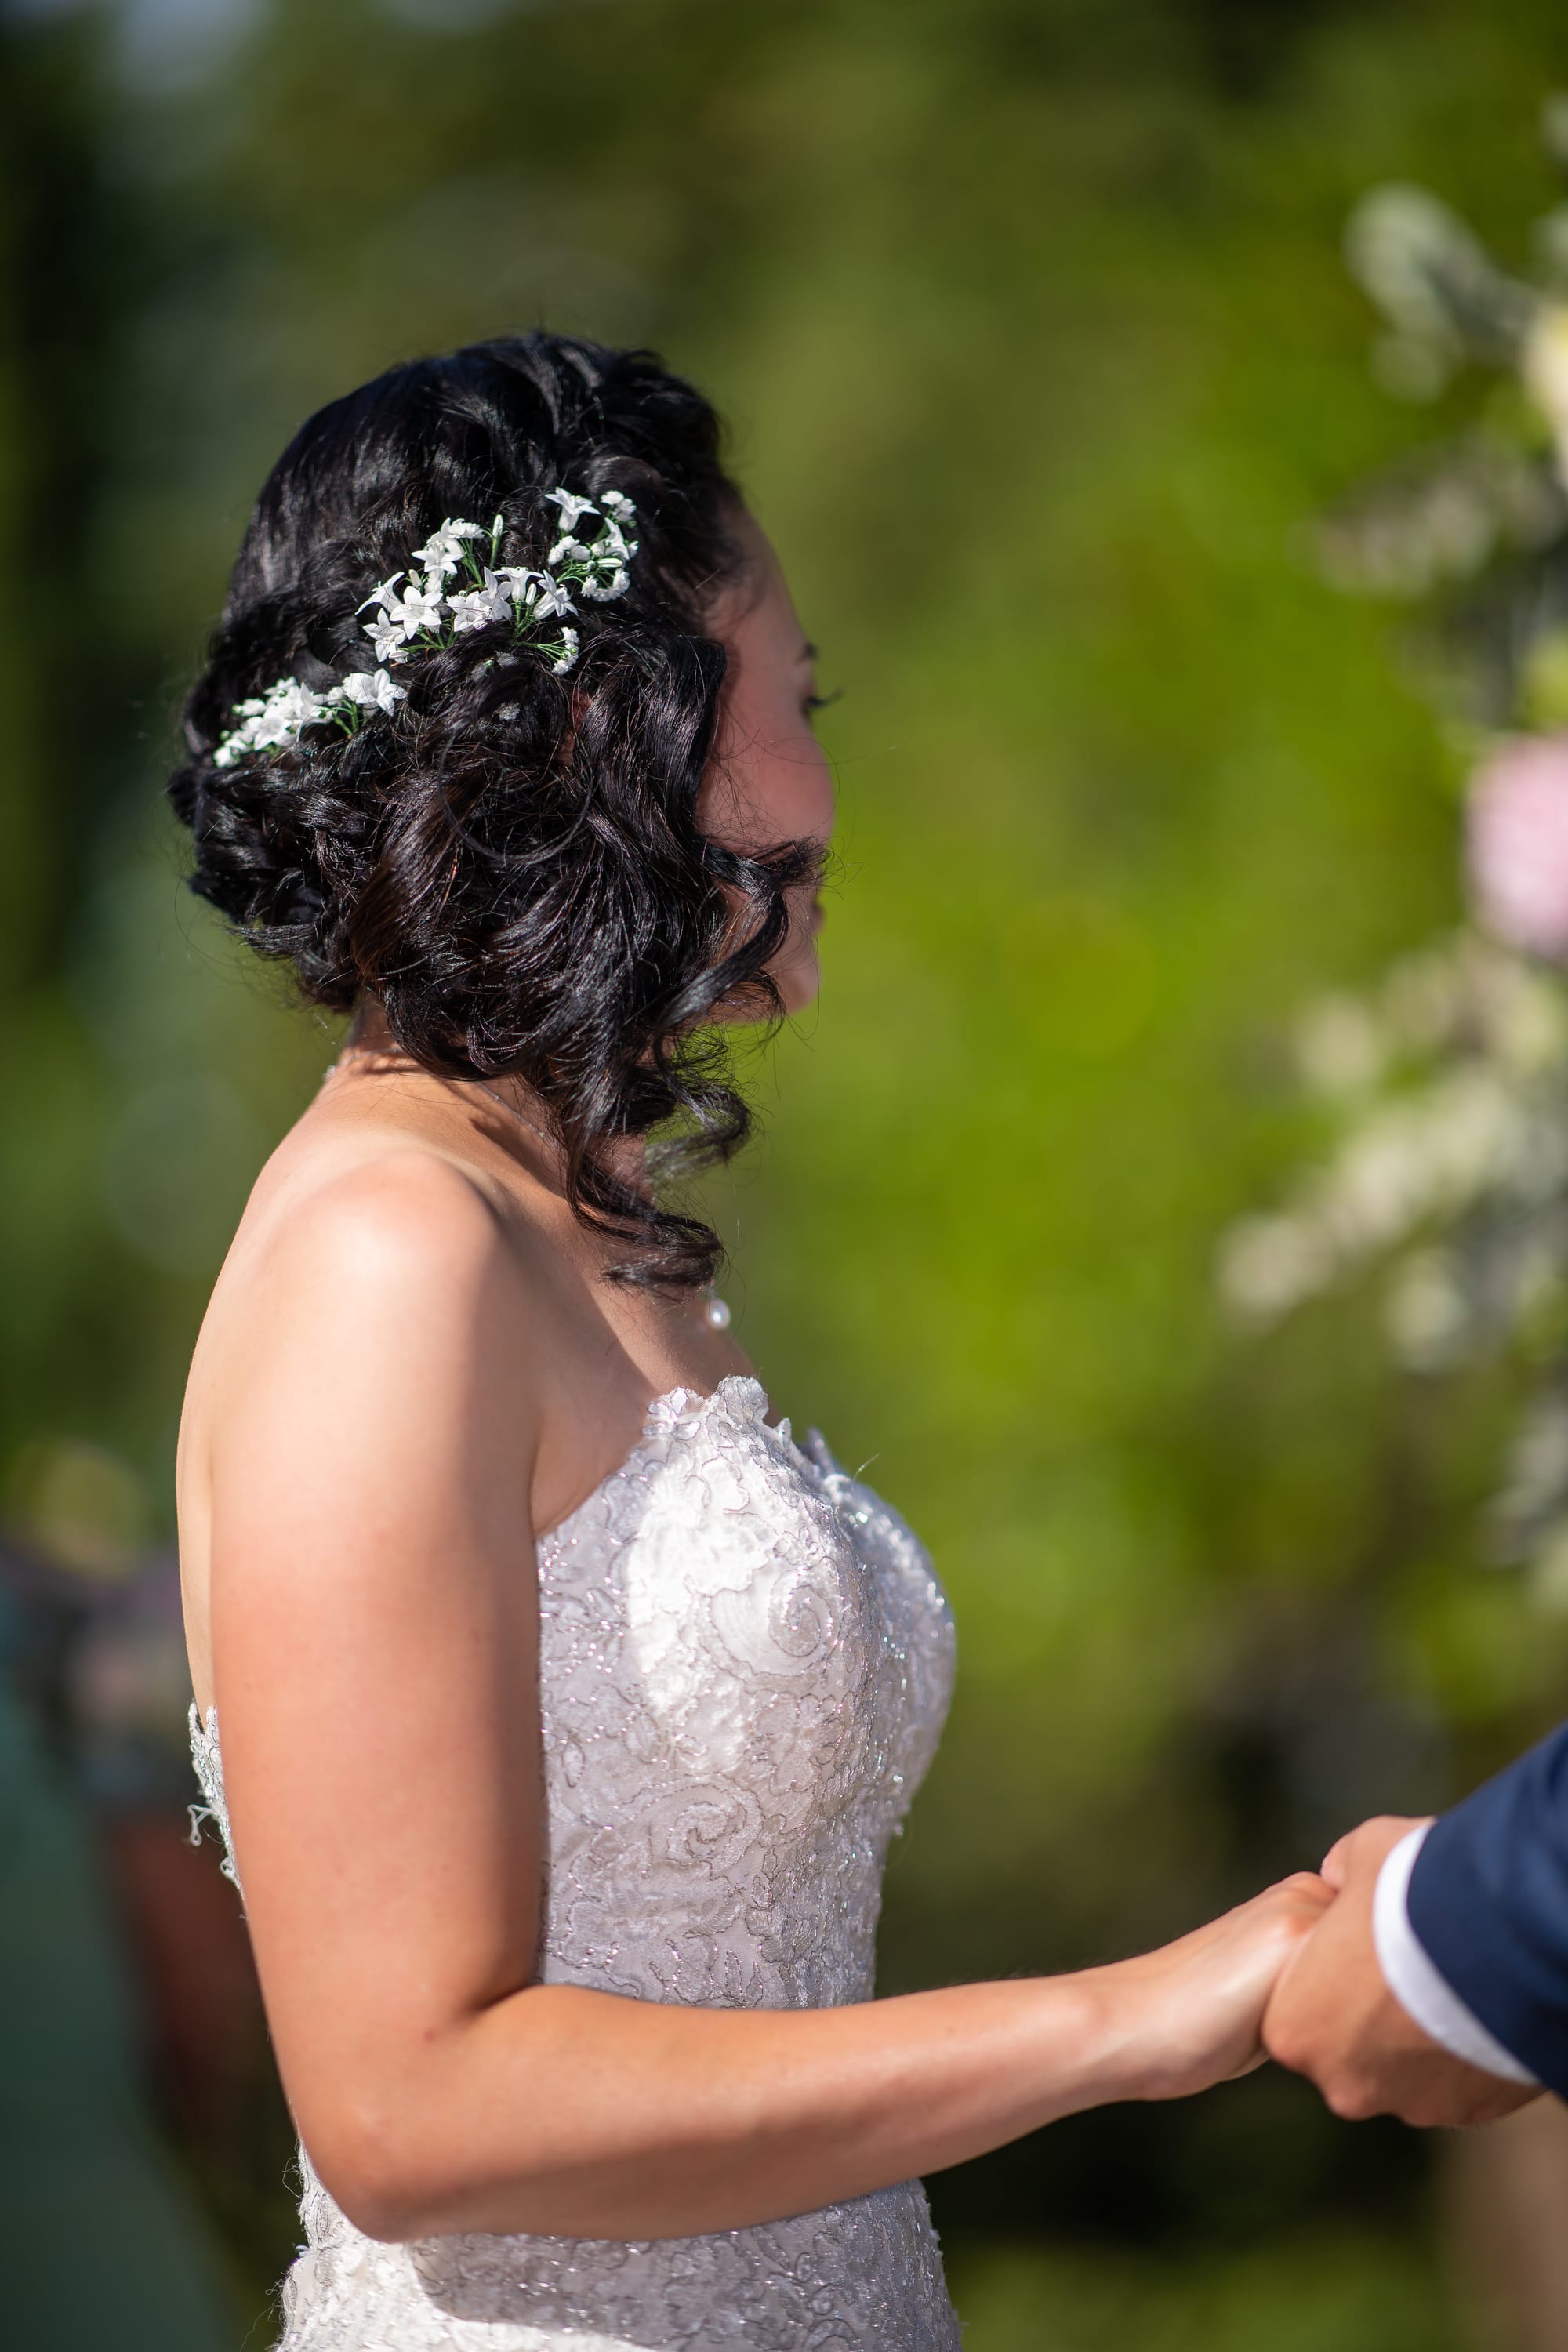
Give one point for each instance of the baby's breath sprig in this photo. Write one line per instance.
(418, 611)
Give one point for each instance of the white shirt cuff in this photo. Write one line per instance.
(1416, 1984)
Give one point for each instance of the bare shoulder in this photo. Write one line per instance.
(400, 1215)
(393, 1269)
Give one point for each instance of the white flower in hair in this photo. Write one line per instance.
(419, 606)
(614, 544)
(572, 509)
(285, 710)
(414, 614)
(475, 608)
(371, 690)
(386, 635)
(606, 576)
(442, 553)
(271, 721)
(522, 582)
(543, 598)
(599, 567)
(384, 593)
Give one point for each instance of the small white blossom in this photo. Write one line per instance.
(617, 503)
(384, 593)
(599, 570)
(387, 636)
(419, 608)
(373, 690)
(477, 608)
(520, 582)
(572, 509)
(601, 588)
(271, 721)
(567, 658)
(545, 599)
(289, 707)
(442, 553)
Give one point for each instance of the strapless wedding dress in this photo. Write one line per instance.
(745, 1665)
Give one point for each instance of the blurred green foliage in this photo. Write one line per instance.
(1032, 324)
(1341, 2291)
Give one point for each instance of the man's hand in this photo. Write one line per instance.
(1332, 2018)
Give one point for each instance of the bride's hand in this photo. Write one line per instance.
(1192, 2012)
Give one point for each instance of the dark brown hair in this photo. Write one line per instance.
(512, 862)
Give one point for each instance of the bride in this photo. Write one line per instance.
(567, 1704)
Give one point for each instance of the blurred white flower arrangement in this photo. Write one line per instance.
(416, 612)
(1446, 1084)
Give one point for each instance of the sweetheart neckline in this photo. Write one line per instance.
(665, 1413)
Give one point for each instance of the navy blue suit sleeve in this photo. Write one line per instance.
(1489, 1903)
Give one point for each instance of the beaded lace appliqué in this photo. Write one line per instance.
(745, 1662)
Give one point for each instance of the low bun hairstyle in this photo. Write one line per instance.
(512, 862)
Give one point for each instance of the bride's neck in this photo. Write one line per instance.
(369, 1035)
(368, 1032)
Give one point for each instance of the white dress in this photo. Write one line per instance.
(745, 1665)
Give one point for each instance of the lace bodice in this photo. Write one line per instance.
(745, 1662)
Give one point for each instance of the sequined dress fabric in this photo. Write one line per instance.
(745, 1664)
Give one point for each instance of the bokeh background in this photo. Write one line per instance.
(1033, 324)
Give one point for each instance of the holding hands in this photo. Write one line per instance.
(1331, 2016)
(1191, 2014)
(1295, 1975)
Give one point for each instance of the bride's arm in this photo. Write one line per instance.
(375, 1622)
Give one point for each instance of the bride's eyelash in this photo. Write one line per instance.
(816, 702)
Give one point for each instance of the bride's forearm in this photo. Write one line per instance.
(578, 2113)
(582, 2115)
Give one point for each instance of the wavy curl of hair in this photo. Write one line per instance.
(511, 863)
